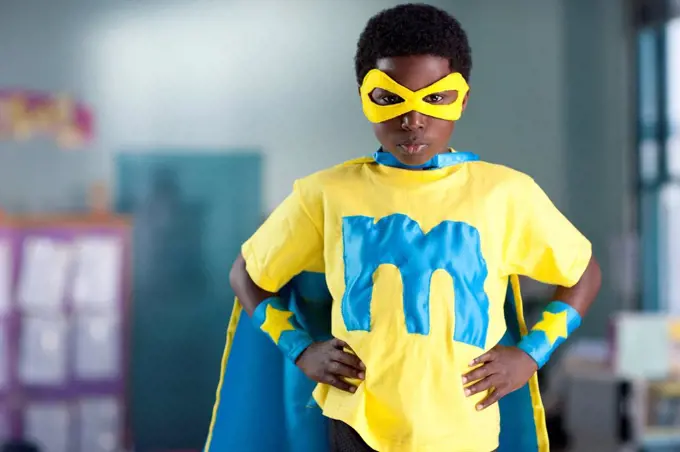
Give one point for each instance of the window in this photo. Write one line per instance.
(673, 102)
(659, 163)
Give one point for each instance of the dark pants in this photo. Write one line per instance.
(345, 439)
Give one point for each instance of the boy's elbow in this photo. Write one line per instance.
(249, 294)
(237, 273)
(586, 290)
(594, 274)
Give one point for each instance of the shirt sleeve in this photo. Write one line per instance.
(540, 242)
(288, 242)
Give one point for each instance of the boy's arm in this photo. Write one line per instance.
(581, 295)
(506, 369)
(249, 294)
(542, 244)
(288, 242)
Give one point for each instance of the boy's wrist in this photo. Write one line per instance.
(280, 325)
(301, 346)
(557, 323)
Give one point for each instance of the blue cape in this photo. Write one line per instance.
(262, 400)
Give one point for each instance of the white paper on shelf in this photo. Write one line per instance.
(4, 358)
(49, 425)
(44, 273)
(98, 272)
(4, 426)
(5, 276)
(100, 428)
(97, 346)
(642, 346)
(43, 351)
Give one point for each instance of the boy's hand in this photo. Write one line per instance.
(503, 370)
(328, 362)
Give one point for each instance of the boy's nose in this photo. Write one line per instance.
(413, 120)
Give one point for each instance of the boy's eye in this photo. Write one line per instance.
(433, 98)
(445, 97)
(382, 97)
(391, 99)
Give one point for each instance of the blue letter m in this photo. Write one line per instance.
(398, 240)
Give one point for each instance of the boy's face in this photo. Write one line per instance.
(414, 138)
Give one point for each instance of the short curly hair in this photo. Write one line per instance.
(413, 29)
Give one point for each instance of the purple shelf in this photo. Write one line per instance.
(4, 420)
(17, 395)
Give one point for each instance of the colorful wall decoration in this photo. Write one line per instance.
(26, 115)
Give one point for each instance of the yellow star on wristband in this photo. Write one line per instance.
(276, 322)
(553, 325)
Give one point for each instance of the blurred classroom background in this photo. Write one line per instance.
(142, 141)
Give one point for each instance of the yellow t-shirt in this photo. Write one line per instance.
(417, 263)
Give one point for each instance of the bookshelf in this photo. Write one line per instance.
(64, 323)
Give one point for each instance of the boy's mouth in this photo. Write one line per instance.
(412, 148)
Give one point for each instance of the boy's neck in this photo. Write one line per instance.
(387, 158)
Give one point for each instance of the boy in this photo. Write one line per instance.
(417, 244)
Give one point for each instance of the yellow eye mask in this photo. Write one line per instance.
(412, 100)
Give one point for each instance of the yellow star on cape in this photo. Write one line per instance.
(553, 325)
(276, 322)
